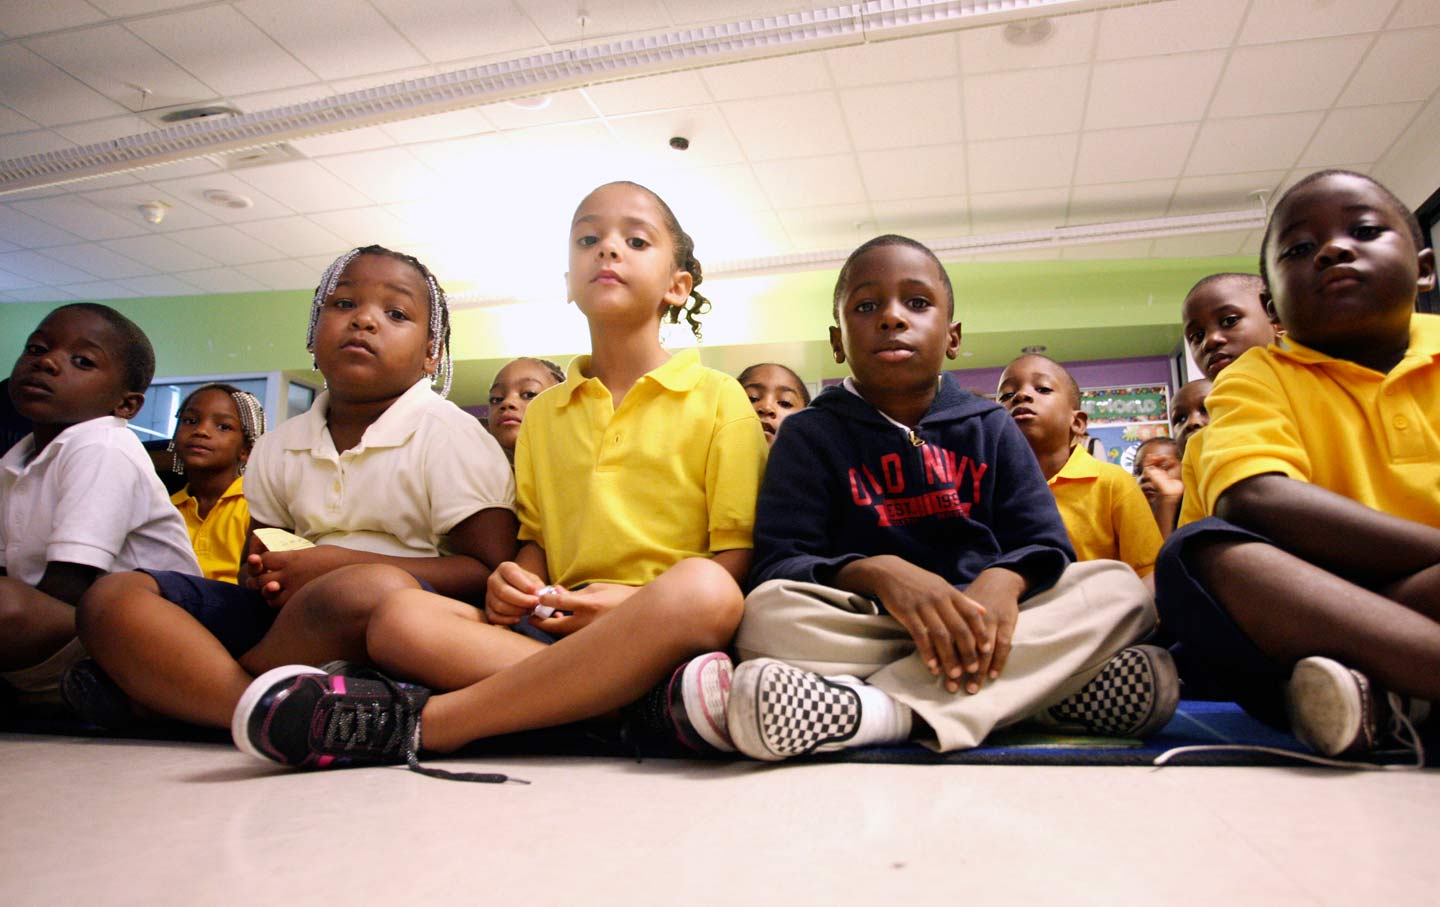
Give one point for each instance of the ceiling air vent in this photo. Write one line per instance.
(260, 156)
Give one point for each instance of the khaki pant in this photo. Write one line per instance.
(1063, 638)
(37, 687)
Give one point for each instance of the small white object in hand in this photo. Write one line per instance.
(543, 611)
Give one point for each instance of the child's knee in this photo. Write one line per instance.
(398, 623)
(104, 604)
(707, 603)
(350, 596)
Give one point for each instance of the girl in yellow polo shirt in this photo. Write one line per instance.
(636, 481)
(216, 429)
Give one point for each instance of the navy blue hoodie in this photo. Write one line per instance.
(959, 493)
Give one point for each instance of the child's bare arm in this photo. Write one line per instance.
(67, 582)
(947, 625)
(1330, 530)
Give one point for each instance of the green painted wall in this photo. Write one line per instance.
(1079, 309)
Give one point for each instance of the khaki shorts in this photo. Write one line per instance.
(39, 686)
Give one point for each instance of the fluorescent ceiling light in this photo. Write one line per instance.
(541, 74)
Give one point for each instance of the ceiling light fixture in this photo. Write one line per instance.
(225, 199)
(524, 77)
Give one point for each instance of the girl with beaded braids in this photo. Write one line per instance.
(636, 482)
(391, 486)
(214, 434)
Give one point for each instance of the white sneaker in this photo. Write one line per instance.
(1337, 711)
(777, 711)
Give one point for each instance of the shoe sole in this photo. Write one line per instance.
(1326, 707)
(240, 720)
(1165, 680)
(778, 711)
(703, 693)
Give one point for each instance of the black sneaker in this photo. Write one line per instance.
(689, 706)
(94, 698)
(1134, 696)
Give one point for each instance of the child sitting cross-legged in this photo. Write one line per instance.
(915, 579)
(1312, 593)
(1105, 513)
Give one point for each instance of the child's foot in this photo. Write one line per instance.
(689, 706)
(1337, 711)
(298, 716)
(94, 698)
(1133, 696)
(778, 711)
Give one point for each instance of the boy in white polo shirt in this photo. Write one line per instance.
(78, 497)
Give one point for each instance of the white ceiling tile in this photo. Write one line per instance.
(1142, 153)
(1167, 28)
(1415, 12)
(1254, 143)
(902, 116)
(114, 62)
(336, 39)
(191, 190)
(1125, 249)
(120, 8)
(296, 236)
(82, 217)
(936, 217)
(986, 50)
(902, 60)
(223, 280)
(46, 94)
(811, 181)
(8, 247)
(1201, 245)
(1014, 164)
(690, 12)
(736, 183)
(1151, 90)
(366, 138)
(564, 107)
(283, 275)
(98, 260)
(159, 253)
(662, 92)
(223, 49)
(461, 159)
(40, 269)
(361, 227)
(1358, 134)
(319, 264)
(251, 102)
(304, 186)
(10, 121)
(159, 285)
(227, 245)
(1106, 202)
(124, 202)
(19, 144)
(101, 289)
(1231, 192)
(40, 294)
(386, 175)
(903, 173)
(1251, 245)
(439, 126)
(1009, 212)
(104, 130)
(454, 29)
(1007, 105)
(1400, 67)
(755, 234)
(179, 169)
(803, 125)
(1286, 20)
(766, 78)
(605, 18)
(1284, 78)
(10, 282)
(711, 142)
(28, 232)
(29, 17)
(828, 227)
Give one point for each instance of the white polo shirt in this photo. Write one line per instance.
(419, 469)
(90, 497)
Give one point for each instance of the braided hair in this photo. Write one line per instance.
(696, 305)
(439, 308)
(252, 414)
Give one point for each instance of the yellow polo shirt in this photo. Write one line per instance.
(1192, 505)
(1105, 512)
(622, 495)
(219, 538)
(1295, 411)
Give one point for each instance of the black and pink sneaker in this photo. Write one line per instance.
(689, 707)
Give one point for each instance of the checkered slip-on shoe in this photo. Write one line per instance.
(1135, 695)
(1337, 711)
(778, 711)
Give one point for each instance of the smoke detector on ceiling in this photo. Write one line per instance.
(225, 199)
(1029, 32)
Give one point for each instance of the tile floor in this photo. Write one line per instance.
(123, 822)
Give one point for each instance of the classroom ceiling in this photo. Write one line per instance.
(1137, 111)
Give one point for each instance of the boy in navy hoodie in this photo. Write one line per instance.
(914, 576)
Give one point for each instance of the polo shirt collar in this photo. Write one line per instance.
(1424, 344)
(14, 459)
(236, 489)
(1080, 467)
(680, 373)
(392, 429)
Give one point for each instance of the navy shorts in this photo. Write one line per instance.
(237, 616)
(1214, 647)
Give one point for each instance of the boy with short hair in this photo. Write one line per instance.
(1321, 563)
(78, 496)
(906, 541)
(1105, 513)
